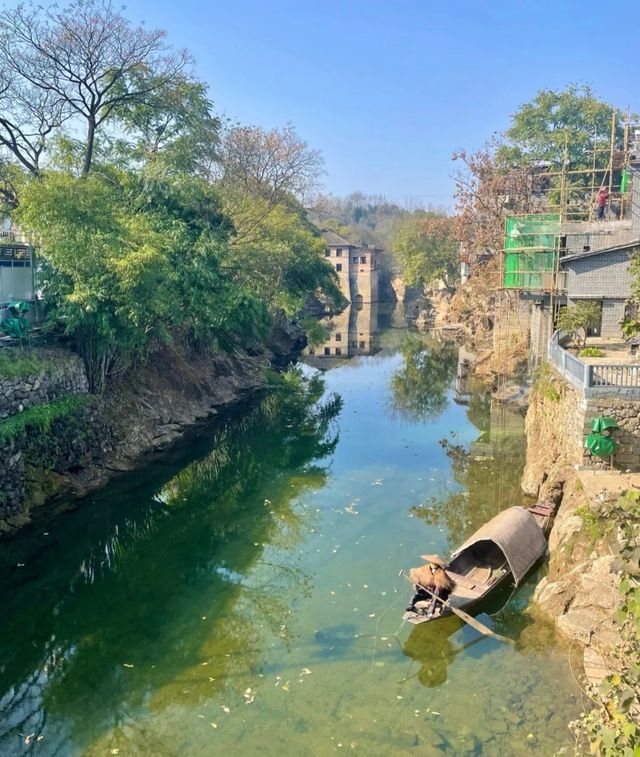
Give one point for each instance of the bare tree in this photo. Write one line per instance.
(88, 58)
(28, 115)
(269, 164)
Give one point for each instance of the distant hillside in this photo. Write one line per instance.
(363, 219)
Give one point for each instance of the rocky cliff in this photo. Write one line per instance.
(580, 593)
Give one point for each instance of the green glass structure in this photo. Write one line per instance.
(531, 246)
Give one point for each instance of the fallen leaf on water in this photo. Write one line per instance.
(201, 716)
(250, 699)
(305, 672)
(285, 686)
(214, 725)
(225, 709)
(379, 664)
(127, 665)
(211, 680)
(372, 615)
(115, 751)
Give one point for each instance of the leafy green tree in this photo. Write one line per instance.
(282, 258)
(420, 388)
(426, 248)
(541, 129)
(173, 124)
(129, 259)
(90, 62)
(579, 319)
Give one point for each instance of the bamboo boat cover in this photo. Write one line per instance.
(517, 534)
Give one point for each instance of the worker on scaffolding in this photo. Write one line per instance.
(601, 203)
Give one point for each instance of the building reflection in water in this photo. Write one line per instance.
(353, 332)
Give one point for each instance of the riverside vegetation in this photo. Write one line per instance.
(154, 221)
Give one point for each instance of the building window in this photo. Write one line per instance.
(327, 253)
(338, 266)
(354, 259)
(338, 337)
(363, 258)
(363, 345)
(339, 252)
(327, 351)
(338, 351)
(312, 351)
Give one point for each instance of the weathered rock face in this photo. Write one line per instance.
(285, 341)
(580, 592)
(554, 425)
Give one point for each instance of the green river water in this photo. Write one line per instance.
(242, 595)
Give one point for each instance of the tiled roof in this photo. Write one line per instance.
(334, 240)
(614, 248)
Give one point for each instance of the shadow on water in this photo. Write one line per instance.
(149, 574)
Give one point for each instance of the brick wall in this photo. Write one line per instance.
(599, 276)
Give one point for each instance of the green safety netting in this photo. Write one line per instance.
(624, 181)
(531, 244)
(603, 423)
(602, 446)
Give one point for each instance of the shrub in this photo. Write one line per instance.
(39, 418)
(15, 364)
(592, 352)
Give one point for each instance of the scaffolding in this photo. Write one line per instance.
(532, 244)
(533, 241)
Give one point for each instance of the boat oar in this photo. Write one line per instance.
(466, 617)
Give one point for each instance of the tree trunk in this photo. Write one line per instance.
(88, 153)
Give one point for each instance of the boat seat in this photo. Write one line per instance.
(464, 586)
(480, 575)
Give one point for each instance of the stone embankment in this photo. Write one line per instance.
(580, 592)
(57, 374)
(55, 437)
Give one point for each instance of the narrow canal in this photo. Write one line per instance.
(243, 596)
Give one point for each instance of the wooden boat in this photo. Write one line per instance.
(502, 550)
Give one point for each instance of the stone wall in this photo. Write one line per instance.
(62, 374)
(560, 416)
(41, 446)
(627, 413)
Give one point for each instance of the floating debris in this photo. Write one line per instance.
(127, 665)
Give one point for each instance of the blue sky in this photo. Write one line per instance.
(388, 89)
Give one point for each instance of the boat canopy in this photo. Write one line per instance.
(517, 534)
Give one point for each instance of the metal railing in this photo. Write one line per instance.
(593, 379)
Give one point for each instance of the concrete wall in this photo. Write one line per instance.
(358, 272)
(597, 235)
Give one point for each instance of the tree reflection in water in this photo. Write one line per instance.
(487, 472)
(162, 580)
(420, 388)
